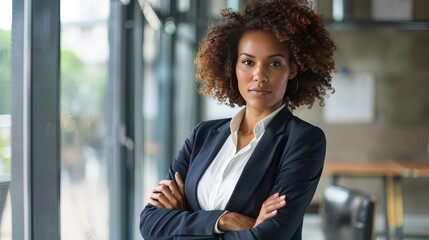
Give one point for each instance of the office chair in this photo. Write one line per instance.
(347, 214)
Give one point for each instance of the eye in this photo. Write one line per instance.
(247, 62)
(275, 63)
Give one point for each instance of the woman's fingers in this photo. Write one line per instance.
(180, 183)
(170, 193)
(275, 203)
(162, 199)
(156, 203)
(164, 190)
(177, 186)
(270, 206)
(170, 198)
(171, 186)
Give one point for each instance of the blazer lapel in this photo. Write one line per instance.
(258, 163)
(214, 142)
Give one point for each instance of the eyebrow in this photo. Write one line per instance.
(271, 56)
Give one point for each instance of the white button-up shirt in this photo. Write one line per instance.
(219, 180)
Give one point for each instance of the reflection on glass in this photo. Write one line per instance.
(5, 119)
(84, 59)
(153, 166)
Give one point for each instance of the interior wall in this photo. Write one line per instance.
(398, 59)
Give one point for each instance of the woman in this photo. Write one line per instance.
(252, 176)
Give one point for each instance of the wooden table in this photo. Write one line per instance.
(392, 173)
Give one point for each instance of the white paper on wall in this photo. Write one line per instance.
(392, 10)
(353, 100)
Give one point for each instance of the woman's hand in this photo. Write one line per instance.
(170, 194)
(233, 221)
(269, 207)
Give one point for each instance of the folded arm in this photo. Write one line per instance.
(298, 176)
(170, 195)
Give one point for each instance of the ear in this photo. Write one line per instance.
(293, 70)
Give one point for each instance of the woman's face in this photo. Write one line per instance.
(263, 70)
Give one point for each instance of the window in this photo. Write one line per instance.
(5, 118)
(84, 138)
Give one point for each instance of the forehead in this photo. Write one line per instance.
(259, 42)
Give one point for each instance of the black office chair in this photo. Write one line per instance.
(347, 214)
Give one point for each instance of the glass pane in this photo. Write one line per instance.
(84, 78)
(5, 118)
(154, 166)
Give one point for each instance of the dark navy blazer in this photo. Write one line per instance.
(288, 159)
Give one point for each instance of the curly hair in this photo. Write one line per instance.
(294, 24)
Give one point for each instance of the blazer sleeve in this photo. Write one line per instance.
(298, 175)
(162, 223)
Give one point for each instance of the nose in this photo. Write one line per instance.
(259, 73)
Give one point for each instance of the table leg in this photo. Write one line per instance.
(394, 207)
(386, 207)
(399, 208)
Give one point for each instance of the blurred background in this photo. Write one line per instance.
(96, 98)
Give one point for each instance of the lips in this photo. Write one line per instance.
(259, 91)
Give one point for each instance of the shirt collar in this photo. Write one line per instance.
(259, 128)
